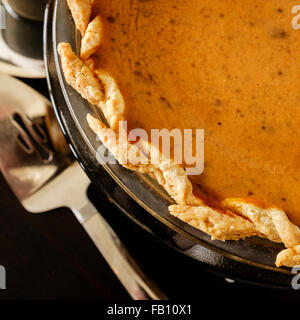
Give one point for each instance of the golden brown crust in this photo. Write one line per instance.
(220, 225)
(171, 176)
(99, 88)
(261, 218)
(272, 223)
(289, 257)
(79, 75)
(92, 38)
(81, 12)
(239, 219)
(113, 106)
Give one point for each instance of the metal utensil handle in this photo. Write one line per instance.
(116, 255)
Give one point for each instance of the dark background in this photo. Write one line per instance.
(49, 256)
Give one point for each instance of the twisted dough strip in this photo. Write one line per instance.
(270, 223)
(91, 32)
(99, 88)
(170, 175)
(289, 257)
(80, 76)
(273, 224)
(92, 39)
(220, 225)
(81, 12)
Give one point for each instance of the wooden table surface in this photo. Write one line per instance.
(49, 256)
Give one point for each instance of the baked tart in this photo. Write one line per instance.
(229, 67)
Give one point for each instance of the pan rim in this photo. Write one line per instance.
(181, 228)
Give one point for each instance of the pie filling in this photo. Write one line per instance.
(229, 67)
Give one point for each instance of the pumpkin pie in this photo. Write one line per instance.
(229, 67)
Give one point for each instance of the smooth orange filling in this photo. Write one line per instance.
(227, 66)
